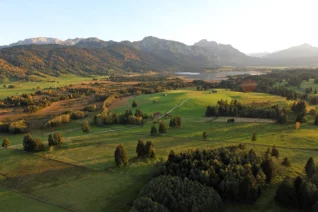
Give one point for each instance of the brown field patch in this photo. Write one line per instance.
(119, 102)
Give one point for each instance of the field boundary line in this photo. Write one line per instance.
(174, 108)
(37, 199)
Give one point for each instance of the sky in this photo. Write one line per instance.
(248, 25)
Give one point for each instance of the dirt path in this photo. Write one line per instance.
(174, 108)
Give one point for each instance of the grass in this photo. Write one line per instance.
(29, 87)
(94, 183)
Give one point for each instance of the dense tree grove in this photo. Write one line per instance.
(275, 83)
(111, 118)
(32, 144)
(121, 158)
(176, 194)
(235, 108)
(145, 150)
(235, 173)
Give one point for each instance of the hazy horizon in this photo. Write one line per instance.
(250, 26)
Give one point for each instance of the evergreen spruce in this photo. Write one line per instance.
(121, 158)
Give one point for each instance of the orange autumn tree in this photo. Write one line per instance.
(248, 86)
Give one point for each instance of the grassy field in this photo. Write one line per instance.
(29, 87)
(81, 175)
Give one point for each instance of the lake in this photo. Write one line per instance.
(216, 75)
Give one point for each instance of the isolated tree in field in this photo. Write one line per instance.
(254, 137)
(150, 150)
(51, 140)
(162, 127)
(286, 162)
(153, 130)
(134, 103)
(204, 135)
(140, 149)
(121, 158)
(85, 127)
(5, 143)
(310, 167)
(275, 152)
(138, 113)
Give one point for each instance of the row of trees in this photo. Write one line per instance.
(235, 108)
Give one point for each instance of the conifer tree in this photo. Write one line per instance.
(121, 158)
(153, 130)
(162, 127)
(85, 127)
(310, 167)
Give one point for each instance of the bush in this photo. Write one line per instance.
(61, 119)
(185, 195)
(134, 104)
(5, 143)
(153, 130)
(18, 127)
(85, 127)
(286, 162)
(204, 135)
(91, 108)
(77, 114)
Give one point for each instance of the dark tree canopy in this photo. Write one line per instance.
(310, 167)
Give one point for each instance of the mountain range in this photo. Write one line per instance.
(52, 56)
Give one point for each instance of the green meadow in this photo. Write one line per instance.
(81, 174)
(30, 87)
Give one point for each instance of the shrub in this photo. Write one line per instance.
(286, 162)
(5, 143)
(134, 103)
(18, 127)
(185, 195)
(77, 114)
(275, 152)
(61, 119)
(85, 127)
(90, 108)
(121, 158)
(153, 130)
(204, 135)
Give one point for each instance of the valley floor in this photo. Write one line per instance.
(82, 176)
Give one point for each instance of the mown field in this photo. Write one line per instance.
(82, 176)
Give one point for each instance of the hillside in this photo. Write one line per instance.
(56, 59)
